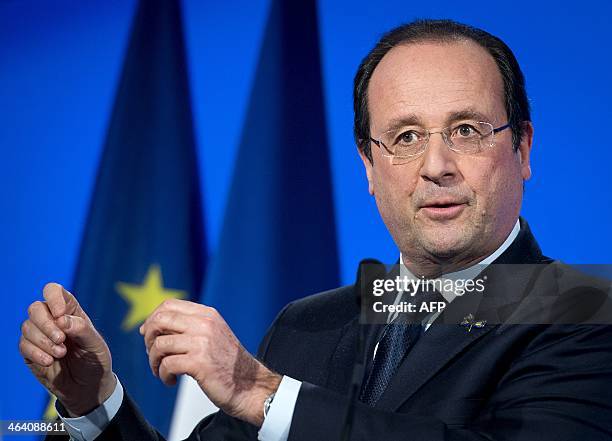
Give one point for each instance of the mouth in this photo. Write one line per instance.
(443, 210)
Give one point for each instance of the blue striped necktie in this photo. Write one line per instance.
(398, 338)
(396, 341)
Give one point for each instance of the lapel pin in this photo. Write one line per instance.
(470, 322)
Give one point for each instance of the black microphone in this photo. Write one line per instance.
(368, 271)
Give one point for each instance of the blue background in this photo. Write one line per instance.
(59, 67)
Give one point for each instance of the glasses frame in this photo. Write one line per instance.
(447, 141)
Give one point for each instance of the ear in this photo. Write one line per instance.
(368, 169)
(524, 150)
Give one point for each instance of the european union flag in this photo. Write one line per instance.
(143, 241)
(278, 241)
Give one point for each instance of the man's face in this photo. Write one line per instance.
(444, 208)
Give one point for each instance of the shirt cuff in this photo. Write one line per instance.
(89, 427)
(277, 423)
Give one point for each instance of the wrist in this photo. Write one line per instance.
(267, 384)
(106, 387)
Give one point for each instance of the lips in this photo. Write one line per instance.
(443, 209)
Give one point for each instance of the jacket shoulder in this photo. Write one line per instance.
(324, 310)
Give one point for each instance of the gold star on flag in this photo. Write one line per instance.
(50, 412)
(143, 299)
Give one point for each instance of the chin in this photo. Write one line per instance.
(447, 244)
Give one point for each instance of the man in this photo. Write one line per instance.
(443, 128)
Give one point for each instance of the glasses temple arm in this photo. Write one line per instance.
(499, 129)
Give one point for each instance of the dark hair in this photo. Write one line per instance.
(515, 96)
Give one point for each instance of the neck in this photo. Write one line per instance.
(431, 266)
(432, 269)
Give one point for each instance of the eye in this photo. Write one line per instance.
(465, 131)
(408, 137)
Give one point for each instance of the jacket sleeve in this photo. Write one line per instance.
(559, 388)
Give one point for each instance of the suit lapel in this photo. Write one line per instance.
(437, 346)
(346, 352)
(344, 356)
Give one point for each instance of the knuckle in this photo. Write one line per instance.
(160, 343)
(25, 327)
(44, 342)
(168, 302)
(39, 355)
(165, 363)
(47, 326)
(203, 324)
(77, 323)
(208, 323)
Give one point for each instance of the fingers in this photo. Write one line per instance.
(169, 322)
(174, 335)
(165, 345)
(173, 366)
(80, 331)
(33, 335)
(41, 318)
(42, 338)
(184, 307)
(33, 354)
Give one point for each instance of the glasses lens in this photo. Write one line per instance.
(405, 144)
(470, 136)
(399, 160)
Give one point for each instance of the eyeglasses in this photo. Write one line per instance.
(404, 144)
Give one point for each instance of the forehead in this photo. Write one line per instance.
(431, 81)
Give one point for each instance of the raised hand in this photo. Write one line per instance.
(189, 338)
(65, 352)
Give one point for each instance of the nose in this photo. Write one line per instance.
(439, 162)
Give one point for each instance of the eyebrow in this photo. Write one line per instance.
(412, 119)
(467, 114)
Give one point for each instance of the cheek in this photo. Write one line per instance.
(480, 177)
(495, 182)
(394, 186)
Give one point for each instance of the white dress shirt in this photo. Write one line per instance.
(278, 421)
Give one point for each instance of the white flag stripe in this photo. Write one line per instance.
(190, 407)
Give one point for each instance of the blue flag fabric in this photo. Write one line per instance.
(278, 240)
(143, 241)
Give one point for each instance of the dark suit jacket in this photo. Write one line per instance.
(499, 382)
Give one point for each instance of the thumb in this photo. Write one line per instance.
(60, 301)
(81, 332)
(72, 305)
